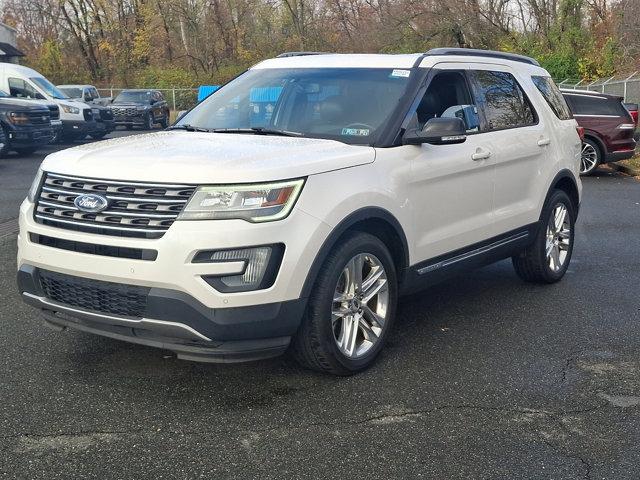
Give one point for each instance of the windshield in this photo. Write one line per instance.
(351, 105)
(72, 92)
(133, 97)
(48, 87)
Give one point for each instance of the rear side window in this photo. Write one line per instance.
(552, 95)
(503, 101)
(594, 105)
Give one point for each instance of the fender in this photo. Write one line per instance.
(563, 176)
(366, 213)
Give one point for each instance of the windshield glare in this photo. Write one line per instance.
(133, 97)
(48, 87)
(72, 92)
(351, 105)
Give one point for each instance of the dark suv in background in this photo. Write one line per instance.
(608, 127)
(140, 108)
(24, 126)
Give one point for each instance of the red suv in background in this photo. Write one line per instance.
(608, 127)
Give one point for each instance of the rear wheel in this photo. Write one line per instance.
(546, 260)
(590, 157)
(165, 121)
(351, 308)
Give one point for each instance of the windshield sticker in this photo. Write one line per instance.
(356, 132)
(401, 73)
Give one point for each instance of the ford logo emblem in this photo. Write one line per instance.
(91, 203)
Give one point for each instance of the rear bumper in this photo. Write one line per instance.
(175, 321)
(617, 156)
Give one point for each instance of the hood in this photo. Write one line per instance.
(28, 102)
(201, 158)
(71, 102)
(22, 104)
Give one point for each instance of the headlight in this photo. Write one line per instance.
(18, 118)
(70, 109)
(35, 186)
(253, 203)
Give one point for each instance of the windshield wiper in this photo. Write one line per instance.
(258, 131)
(189, 128)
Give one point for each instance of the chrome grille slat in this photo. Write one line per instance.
(135, 208)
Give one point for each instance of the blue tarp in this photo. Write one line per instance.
(205, 90)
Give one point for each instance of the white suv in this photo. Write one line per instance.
(292, 207)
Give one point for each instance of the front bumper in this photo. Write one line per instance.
(175, 321)
(77, 127)
(177, 292)
(104, 126)
(130, 119)
(30, 136)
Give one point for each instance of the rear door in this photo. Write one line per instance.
(518, 141)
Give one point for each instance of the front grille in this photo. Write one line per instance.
(94, 295)
(94, 249)
(88, 114)
(143, 210)
(124, 111)
(42, 117)
(55, 112)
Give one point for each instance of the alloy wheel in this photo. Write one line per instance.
(588, 158)
(360, 305)
(558, 238)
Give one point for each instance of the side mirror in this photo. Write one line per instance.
(437, 131)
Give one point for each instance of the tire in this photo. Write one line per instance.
(149, 122)
(164, 123)
(534, 264)
(320, 342)
(4, 141)
(590, 157)
(25, 151)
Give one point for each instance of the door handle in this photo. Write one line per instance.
(544, 141)
(481, 154)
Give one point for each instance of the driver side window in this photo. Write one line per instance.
(448, 96)
(21, 89)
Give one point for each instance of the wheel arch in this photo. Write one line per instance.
(589, 134)
(375, 221)
(566, 181)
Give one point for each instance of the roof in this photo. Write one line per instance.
(587, 93)
(20, 70)
(401, 61)
(9, 50)
(75, 86)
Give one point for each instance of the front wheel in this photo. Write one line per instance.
(590, 157)
(148, 123)
(164, 123)
(546, 260)
(351, 308)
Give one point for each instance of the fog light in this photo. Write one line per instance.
(261, 266)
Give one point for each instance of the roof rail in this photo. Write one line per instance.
(473, 52)
(298, 54)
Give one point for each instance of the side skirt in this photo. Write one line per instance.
(437, 269)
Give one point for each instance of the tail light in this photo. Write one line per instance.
(634, 115)
(580, 131)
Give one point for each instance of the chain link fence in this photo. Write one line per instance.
(177, 98)
(627, 86)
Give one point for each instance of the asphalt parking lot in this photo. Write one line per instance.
(485, 377)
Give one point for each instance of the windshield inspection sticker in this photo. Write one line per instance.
(401, 73)
(356, 132)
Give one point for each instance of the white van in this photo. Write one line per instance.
(24, 82)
